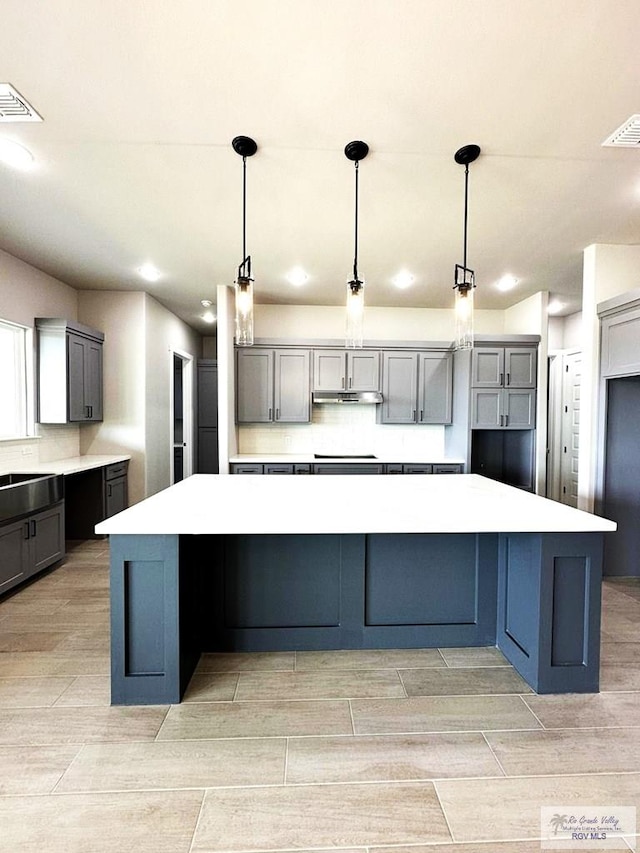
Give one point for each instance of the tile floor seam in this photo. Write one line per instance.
(530, 709)
(353, 724)
(286, 761)
(197, 821)
(67, 768)
(493, 752)
(444, 813)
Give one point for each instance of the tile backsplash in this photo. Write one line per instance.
(339, 429)
(51, 442)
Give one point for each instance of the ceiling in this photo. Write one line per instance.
(141, 100)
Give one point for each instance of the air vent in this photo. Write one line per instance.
(13, 107)
(626, 136)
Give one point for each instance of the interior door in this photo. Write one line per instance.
(181, 417)
(570, 428)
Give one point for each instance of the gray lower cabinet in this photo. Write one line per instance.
(273, 386)
(345, 468)
(115, 488)
(504, 408)
(340, 370)
(31, 545)
(417, 387)
(247, 468)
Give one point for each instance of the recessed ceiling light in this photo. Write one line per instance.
(555, 306)
(297, 277)
(208, 316)
(149, 273)
(507, 282)
(16, 155)
(403, 279)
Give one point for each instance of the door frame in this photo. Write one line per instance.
(187, 412)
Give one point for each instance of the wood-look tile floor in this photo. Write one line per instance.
(397, 751)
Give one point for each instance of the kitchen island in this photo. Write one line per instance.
(219, 563)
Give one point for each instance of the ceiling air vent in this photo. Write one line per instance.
(626, 136)
(13, 107)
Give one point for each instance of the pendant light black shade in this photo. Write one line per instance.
(355, 151)
(463, 277)
(245, 147)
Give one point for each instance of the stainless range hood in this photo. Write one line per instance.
(347, 397)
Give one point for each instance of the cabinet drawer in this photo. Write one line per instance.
(249, 468)
(447, 469)
(417, 469)
(274, 468)
(118, 469)
(366, 468)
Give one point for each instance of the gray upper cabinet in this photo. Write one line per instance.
(337, 370)
(69, 372)
(273, 386)
(435, 387)
(503, 383)
(503, 408)
(503, 367)
(620, 350)
(416, 387)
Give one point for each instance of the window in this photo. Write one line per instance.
(14, 397)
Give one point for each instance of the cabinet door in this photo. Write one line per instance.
(329, 370)
(447, 469)
(486, 408)
(275, 468)
(520, 367)
(93, 380)
(207, 395)
(115, 496)
(519, 409)
(417, 469)
(487, 367)
(14, 554)
(399, 388)
(76, 377)
(208, 462)
(46, 530)
(435, 387)
(246, 468)
(292, 387)
(254, 386)
(363, 371)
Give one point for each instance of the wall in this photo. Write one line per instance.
(163, 333)
(27, 293)
(609, 270)
(121, 317)
(400, 324)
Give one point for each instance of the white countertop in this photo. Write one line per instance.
(305, 458)
(70, 465)
(357, 503)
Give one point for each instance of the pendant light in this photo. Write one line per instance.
(464, 278)
(355, 151)
(245, 147)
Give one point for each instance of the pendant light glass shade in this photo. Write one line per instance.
(464, 278)
(355, 314)
(244, 311)
(245, 147)
(464, 308)
(355, 151)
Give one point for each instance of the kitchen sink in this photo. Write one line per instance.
(22, 494)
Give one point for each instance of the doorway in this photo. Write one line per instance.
(181, 416)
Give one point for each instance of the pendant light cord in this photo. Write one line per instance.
(355, 256)
(244, 270)
(466, 201)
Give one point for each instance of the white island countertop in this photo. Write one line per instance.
(355, 503)
(68, 465)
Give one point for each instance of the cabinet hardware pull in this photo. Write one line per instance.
(277, 414)
(508, 382)
(506, 420)
(109, 491)
(270, 412)
(421, 413)
(33, 528)
(26, 530)
(343, 381)
(350, 381)
(502, 379)
(413, 414)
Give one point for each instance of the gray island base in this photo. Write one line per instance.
(218, 564)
